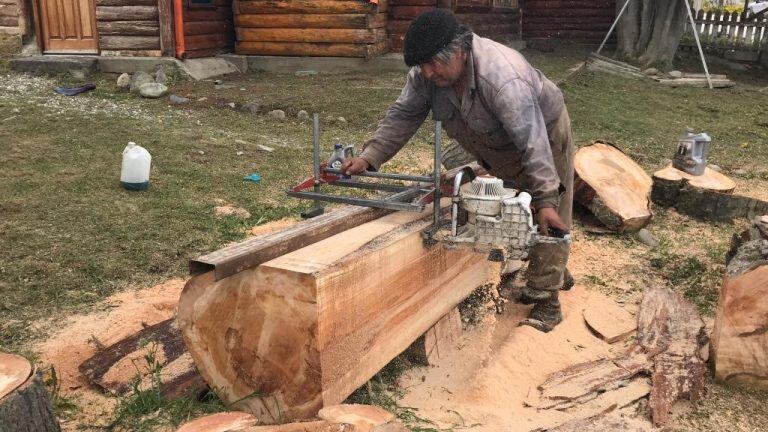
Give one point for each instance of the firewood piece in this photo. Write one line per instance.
(581, 382)
(24, 403)
(672, 327)
(114, 368)
(613, 187)
(221, 422)
(606, 318)
(364, 418)
(306, 329)
(740, 335)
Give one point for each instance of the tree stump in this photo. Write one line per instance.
(612, 187)
(740, 336)
(24, 404)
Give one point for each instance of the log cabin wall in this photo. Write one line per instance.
(208, 28)
(584, 21)
(129, 28)
(496, 20)
(337, 28)
(10, 16)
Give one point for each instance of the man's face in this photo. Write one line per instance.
(444, 74)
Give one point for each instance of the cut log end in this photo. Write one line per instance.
(24, 403)
(221, 422)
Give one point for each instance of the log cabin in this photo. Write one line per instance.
(338, 28)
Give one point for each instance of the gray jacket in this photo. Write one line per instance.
(502, 119)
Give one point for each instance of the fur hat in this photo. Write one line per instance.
(428, 34)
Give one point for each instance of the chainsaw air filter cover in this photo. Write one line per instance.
(485, 195)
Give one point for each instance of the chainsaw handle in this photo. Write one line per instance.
(349, 151)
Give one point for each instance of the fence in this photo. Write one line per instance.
(720, 31)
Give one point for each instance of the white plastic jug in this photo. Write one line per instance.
(135, 172)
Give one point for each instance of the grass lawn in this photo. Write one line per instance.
(71, 236)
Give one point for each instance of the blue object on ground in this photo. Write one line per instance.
(255, 177)
(71, 91)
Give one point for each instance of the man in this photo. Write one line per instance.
(502, 111)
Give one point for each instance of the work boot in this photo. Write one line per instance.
(530, 295)
(568, 281)
(545, 315)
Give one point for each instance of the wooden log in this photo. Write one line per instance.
(207, 52)
(307, 7)
(309, 49)
(114, 368)
(129, 28)
(126, 13)
(9, 10)
(613, 187)
(205, 15)
(126, 2)
(167, 36)
(211, 27)
(24, 403)
(311, 35)
(740, 336)
(324, 21)
(131, 53)
(442, 338)
(129, 42)
(208, 41)
(668, 181)
(306, 329)
(407, 12)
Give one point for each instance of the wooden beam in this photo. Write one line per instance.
(307, 6)
(311, 35)
(129, 28)
(311, 49)
(307, 328)
(165, 18)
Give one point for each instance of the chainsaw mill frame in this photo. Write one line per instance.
(426, 190)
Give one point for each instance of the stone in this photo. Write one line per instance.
(715, 168)
(651, 71)
(153, 90)
(231, 105)
(177, 100)
(124, 81)
(306, 73)
(138, 79)
(647, 238)
(278, 114)
(265, 148)
(342, 120)
(240, 153)
(330, 119)
(78, 74)
(676, 74)
(240, 142)
(202, 99)
(303, 115)
(251, 107)
(200, 152)
(161, 77)
(740, 172)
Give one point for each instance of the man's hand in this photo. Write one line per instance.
(547, 218)
(354, 165)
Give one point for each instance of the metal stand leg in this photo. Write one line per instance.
(436, 174)
(613, 26)
(698, 43)
(317, 210)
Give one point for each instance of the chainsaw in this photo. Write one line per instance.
(484, 215)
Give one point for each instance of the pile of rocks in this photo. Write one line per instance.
(145, 84)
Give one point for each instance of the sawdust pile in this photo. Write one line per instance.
(491, 379)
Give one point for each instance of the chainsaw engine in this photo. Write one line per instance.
(497, 218)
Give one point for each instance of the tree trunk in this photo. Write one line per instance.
(24, 404)
(650, 30)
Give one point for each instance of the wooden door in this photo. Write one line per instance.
(69, 26)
